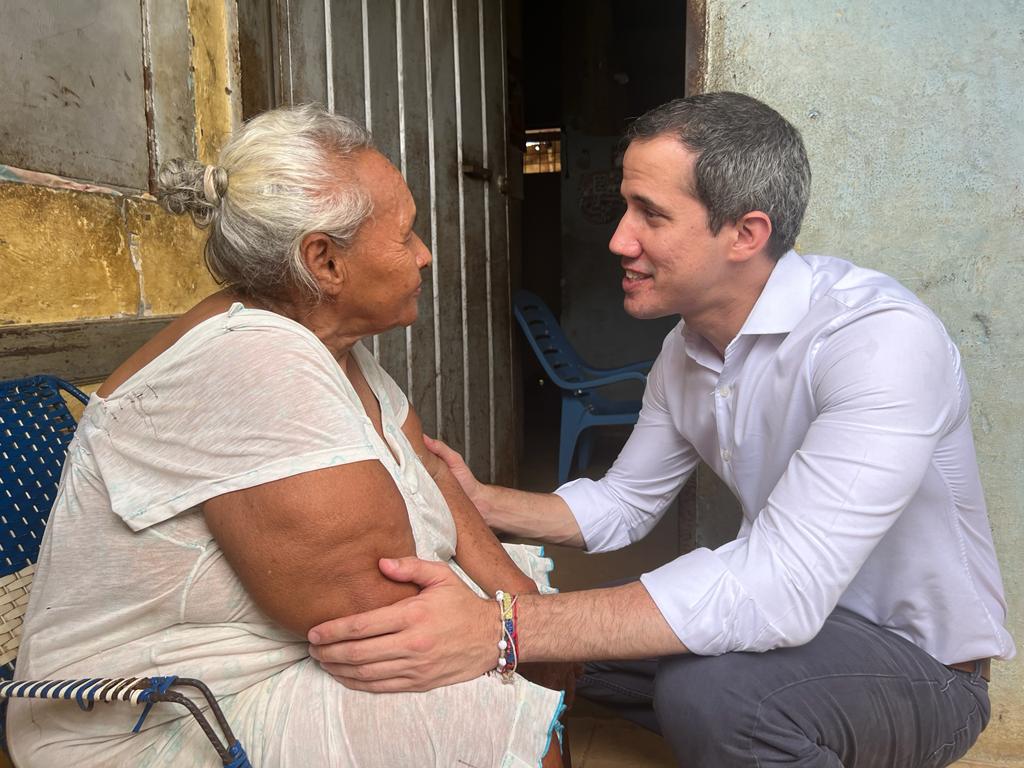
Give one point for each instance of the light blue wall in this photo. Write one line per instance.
(913, 116)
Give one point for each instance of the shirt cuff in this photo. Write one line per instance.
(597, 514)
(706, 605)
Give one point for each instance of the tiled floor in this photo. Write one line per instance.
(598, 739)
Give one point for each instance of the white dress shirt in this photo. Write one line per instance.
(840, 420)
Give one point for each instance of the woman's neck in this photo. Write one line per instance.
(319, 318)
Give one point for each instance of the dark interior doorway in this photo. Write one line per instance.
(587, 68)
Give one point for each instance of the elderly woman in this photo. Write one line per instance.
(235, 482)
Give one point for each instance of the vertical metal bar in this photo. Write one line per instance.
(366, 77)
(433, 217)
(487, 241)
(400, 56)
(368, 101)
(276, 97)
(507, 288)
(329, 42)
(147, 84)
(466, 421)
(291, 63)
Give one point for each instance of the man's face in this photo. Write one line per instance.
(672, 262)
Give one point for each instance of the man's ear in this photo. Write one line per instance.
(752, 232)
(320, 255)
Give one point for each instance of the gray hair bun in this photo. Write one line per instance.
(189, 186)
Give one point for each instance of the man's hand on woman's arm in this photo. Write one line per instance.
(477, 551)
(541, 516)
(446, 634)
(480, 554)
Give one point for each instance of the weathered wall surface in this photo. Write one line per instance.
(913, 118)
(76, 250)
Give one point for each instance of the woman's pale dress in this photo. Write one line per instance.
(130, 581)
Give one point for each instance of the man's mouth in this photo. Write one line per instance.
(634, 276)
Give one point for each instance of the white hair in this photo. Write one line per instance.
(280, 177)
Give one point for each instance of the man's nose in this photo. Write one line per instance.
(623, 243)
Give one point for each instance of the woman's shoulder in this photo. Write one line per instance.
(217, 333)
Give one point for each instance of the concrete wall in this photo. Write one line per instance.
(914, 122)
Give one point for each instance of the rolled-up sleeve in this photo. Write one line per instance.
(886, 387)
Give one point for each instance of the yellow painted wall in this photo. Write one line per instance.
(67, 255)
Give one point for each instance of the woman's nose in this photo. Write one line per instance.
(423, 255)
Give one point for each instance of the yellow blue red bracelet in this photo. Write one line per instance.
(508, 645)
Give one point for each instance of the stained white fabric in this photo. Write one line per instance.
(130, 581)
(839, 418)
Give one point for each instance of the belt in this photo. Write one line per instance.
(983, 665)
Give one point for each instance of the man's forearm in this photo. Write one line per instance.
(579, 626)
(542, 516)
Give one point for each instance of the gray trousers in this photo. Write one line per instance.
(857, 696)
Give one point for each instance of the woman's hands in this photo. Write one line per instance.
(443, 635)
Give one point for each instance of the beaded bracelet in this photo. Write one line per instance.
(508, 645)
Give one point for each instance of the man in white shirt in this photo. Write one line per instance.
(852, 620)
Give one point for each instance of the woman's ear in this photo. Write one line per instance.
(321, 256)
(752, 232)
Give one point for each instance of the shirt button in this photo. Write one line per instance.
(724, 391)
(726, 454)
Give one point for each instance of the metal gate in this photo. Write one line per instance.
(427, 77)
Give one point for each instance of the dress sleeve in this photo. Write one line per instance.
(887, 386)
(227, 411)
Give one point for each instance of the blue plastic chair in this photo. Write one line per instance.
(35, 430)
(582, 406)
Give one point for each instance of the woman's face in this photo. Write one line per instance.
(382, 266)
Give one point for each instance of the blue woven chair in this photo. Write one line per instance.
(35, 430)
(582, 406)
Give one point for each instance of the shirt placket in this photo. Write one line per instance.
(725, 410)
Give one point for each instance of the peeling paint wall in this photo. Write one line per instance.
(914, 122)
(76, 250)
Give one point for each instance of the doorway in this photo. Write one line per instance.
(583, 70)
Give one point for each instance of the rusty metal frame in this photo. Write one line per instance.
(695, 55)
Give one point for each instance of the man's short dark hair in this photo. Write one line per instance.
(749, 158)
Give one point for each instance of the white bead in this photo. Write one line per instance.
(501, 663)
(502, 645)
(499, 595)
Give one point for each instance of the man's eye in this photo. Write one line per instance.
(649, 214)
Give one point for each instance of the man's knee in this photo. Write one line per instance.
(701, 706)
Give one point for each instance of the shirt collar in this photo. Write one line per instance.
(784, 300)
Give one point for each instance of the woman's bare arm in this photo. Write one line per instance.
(306, 547)
(478, 552)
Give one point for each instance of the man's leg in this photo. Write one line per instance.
(856, 696)
(627, 687)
